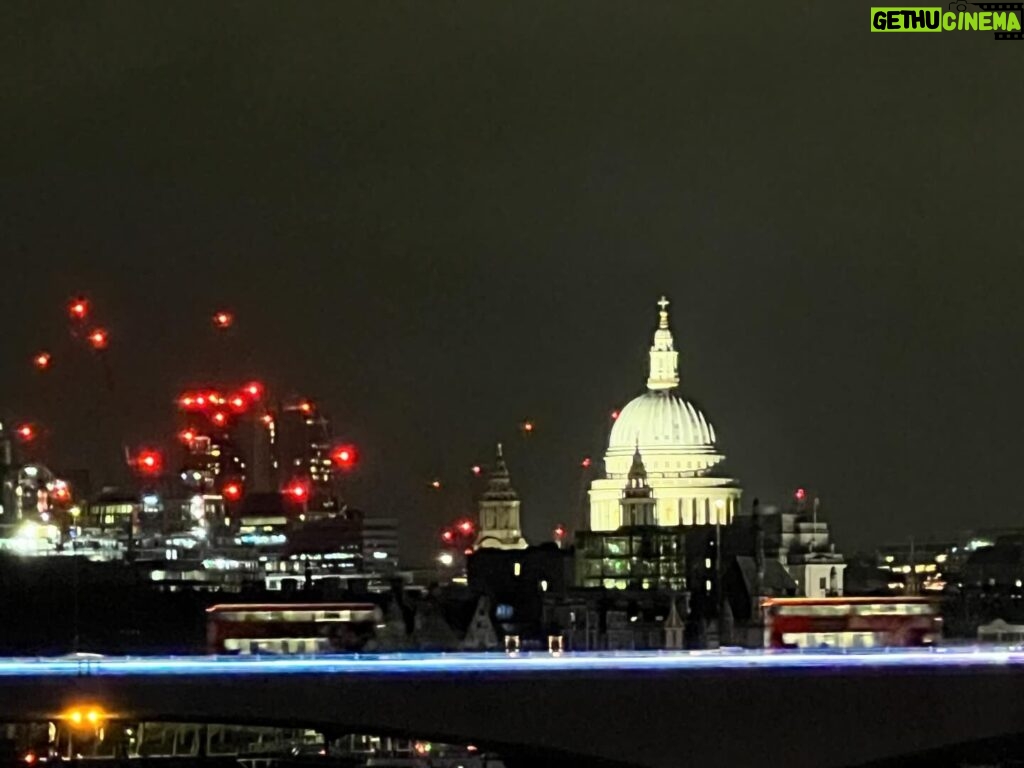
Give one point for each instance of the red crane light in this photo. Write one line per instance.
(42, 361)
(149, 462)
(238, 403)
(78, 309)
(615, 415)
(26, 432)
(800, 494)
(219, 418)
(254, 389)
(223, 319)
(475, 469)
(98, 338)
(527, 426)
(586, 462)
(435, 484)
(232, 491)
(559, 532)
(466, 527)
(187, 435)
(447, 536)
(60, 492)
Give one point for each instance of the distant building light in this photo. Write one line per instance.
(445, 558)
(543, 585)
(517, 568)
(150, 499)
(378, 555)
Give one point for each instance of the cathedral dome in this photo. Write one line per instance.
(659, 418)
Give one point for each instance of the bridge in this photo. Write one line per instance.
(655, 710)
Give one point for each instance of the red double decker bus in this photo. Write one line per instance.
(290, 628)
(851, 622)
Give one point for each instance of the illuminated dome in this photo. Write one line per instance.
(679, 448)
(659, 418)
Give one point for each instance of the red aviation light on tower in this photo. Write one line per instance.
(188, 436)
(42, 361)
(447, 536)
(615, 415)
(476, 470)
(223, 320)
(219, 418)
(238, 403)
(560, 532)
(25, 432)
(466, 527)
(527, 427)
(98, 338)
(800, 494)
(232, 490)
(78, 309)
(435, 484)
(585, 463)
(149, 462)
(254, 390)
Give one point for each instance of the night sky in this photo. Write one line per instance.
(442, 218)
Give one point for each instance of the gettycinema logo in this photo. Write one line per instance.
(1002, 19)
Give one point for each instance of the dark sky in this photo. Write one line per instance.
(440, 218)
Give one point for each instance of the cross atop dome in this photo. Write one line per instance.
(664, 372)
(663, 313)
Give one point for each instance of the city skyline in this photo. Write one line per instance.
(439, 237)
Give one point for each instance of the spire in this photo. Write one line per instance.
(637, 472)
(664, 371)
(499, 484)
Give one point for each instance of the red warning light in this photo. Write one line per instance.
(149, 462)
(98, 338)
(800, 494)
(447, 536)
(586, 462)
(232, 491)
(78, 309)
(475, 469)
(615, 415)
(466, 527)
(254, 390)
(559, 532)
(187, 435)
(223, 319)
(297, 491)
(435, 484)
(42, 361)
(219, 418)
(26, 432)
(345, 456)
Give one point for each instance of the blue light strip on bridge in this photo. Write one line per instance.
(524, 663)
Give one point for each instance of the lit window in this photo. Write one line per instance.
(517, 569)
(543, 585)
(707, 585)
(707, 562)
